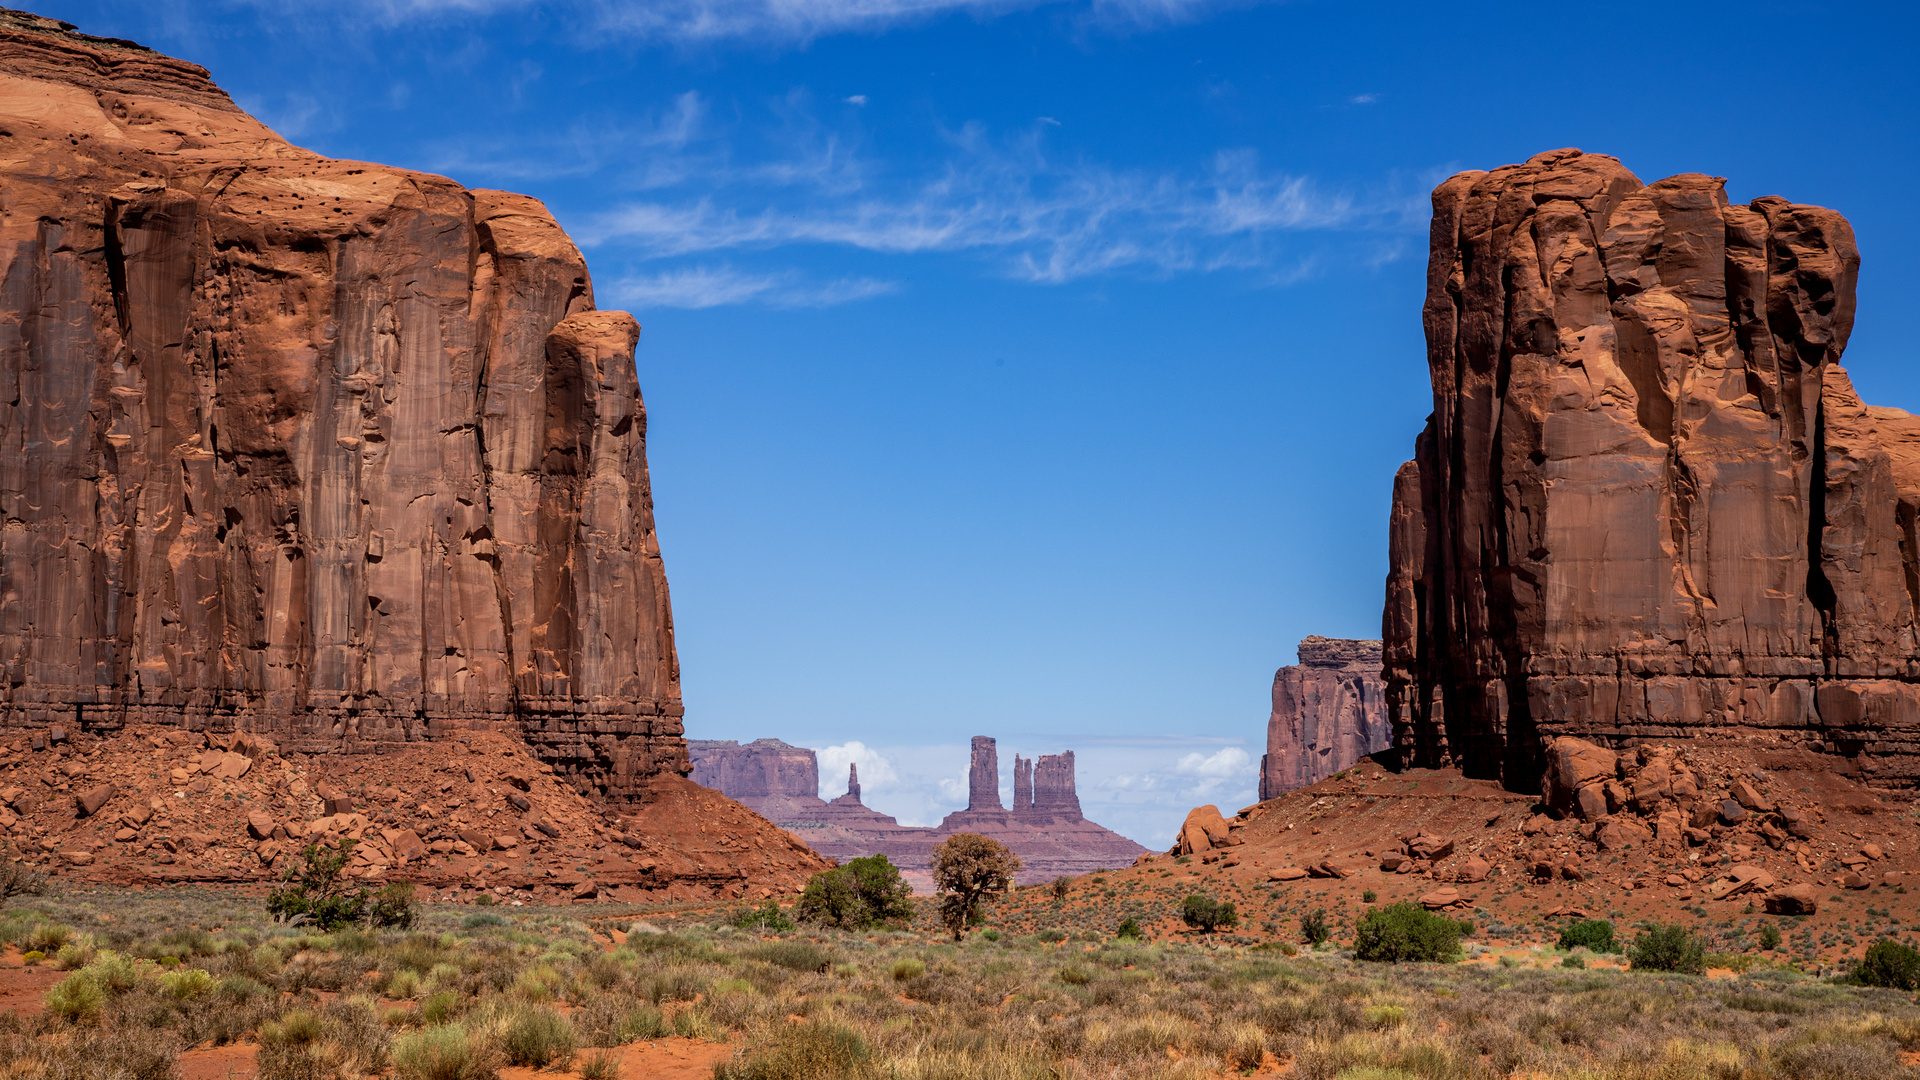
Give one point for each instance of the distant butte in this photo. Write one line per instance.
(1044, 826)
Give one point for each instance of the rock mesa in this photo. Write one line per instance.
(1648, 503)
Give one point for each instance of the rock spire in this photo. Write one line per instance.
(1329, 711)
(983, 776)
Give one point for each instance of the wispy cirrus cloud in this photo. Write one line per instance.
(717, 286)
(1035, 219)
(695, 21)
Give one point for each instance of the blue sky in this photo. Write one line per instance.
(1039, 369)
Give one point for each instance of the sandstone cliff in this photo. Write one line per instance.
(782, 782)
(321, 449)
(1329, 711)
(1648, 503)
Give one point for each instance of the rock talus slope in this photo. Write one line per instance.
(1648, 503)
(328, 451)
(1329, 711)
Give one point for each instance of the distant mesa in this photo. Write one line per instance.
(1329, 711)
(1044, 826)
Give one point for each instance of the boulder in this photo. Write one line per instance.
(137, 815)
(1731, 812)
(89, 802)
(1740, 879)
(1574, 764)
(1792, 900)
(1287, 873)
(78, 858)
(1430, 847)
(1443, 897)
(1746, 796)
(230, 766)
(1854, 880)
(260, 825)
(1873, 851)
(518, 801)
(1392, 861)
(406, 845)
(480, 842)
(1203, 829)
(1473, 871)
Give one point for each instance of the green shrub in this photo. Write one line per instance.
(1594, 935)
(1313, 927)
(1573, 962)
(767, 917)
(815, 1050)
(1129, 930)
(1769, 936)
(33, 957)
(903, 970)
(1074, 976)
(1408, 932)
(1206, 914)
(1368, 896)
(1889, 964)
(865, 893)
(392, 906)
(187, 984)
(1668, 948)
(480, 919)
(315, 890)
(443, 1053)
(441, 1007)
(78, 998)
(537, 1036)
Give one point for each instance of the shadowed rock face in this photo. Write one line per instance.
(1648, 503)
(1329, 711)
(983, 775)
(323, 449)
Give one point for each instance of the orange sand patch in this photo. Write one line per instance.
(235, 1062)
(661, 1059)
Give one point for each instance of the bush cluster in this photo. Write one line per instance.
(1408, 932)
(1668, 948)
(867, 892)
(1206, 914)
(1594, 935)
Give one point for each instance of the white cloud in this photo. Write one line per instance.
(1226, 762)
(1038, 220)
(876, 772)
(692, 21)
(1363, 99)
(857, 99)
(705, 287)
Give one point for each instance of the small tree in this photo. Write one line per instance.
(866, 892)
(1400, 932)
(970, 869)
(1207, 915)
(1314, 928)
(1769, 936)
(1595, 935)
(316, 890)
(1129, 930)
(1060, 886)
(1889, 964)
(1668, 948)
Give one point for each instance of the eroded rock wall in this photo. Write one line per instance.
(1648, 503)
(1329, 711)
(322, 449)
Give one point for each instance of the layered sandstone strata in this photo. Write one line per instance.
(782, 782)
(1648, 503)
(1329, 711)
(322, 449)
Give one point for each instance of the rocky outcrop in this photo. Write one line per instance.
(1648, 504)
(1045, 826)
(321, 450)
(1329, 711)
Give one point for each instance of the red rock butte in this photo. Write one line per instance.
(1045, 826)
(1648, 503)
(322, 450)
(1329, 711)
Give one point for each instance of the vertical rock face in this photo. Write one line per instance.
(853, 782)
(1022, 784)
(983, 776)
(1053, 792)
(324, 449)
(1329, 711)
(1648, 502)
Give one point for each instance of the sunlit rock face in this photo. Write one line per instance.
(322, 449)
(1329, 711)
(1648, 503)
